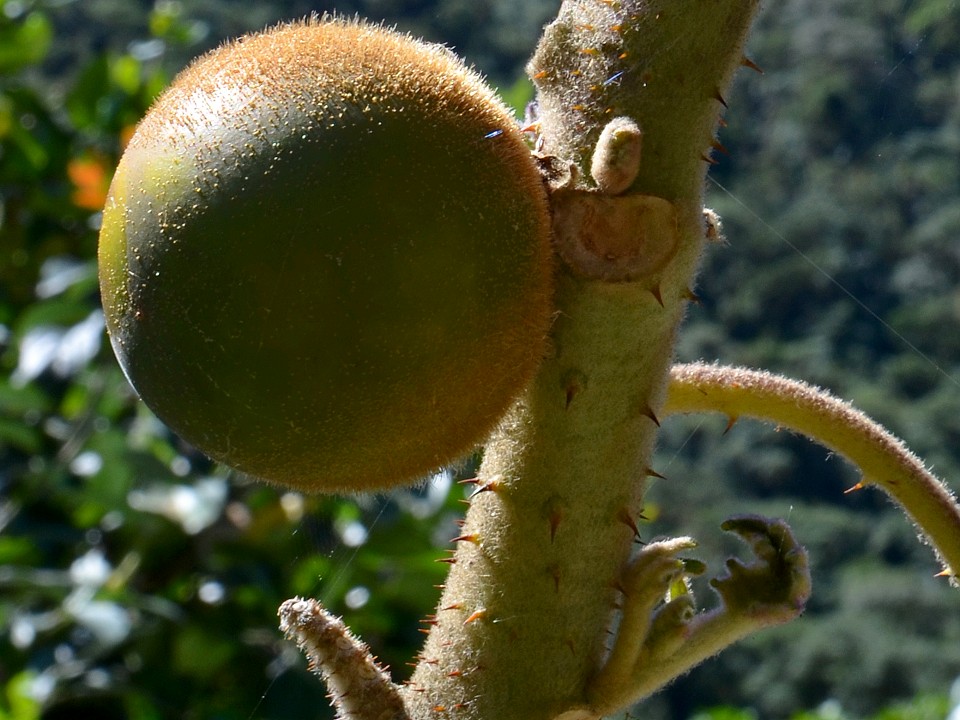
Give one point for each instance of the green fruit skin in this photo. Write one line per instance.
(336, 283)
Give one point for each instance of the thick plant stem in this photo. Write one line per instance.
(523, 622)
(881, 457)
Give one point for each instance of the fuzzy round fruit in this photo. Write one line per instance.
(325, 257)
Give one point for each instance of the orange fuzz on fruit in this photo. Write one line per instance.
(325, 257)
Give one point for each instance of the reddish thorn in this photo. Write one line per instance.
(425, 631)
(647, 411)
(719, 146)
(858, 486)
(449, 560)
(556, 515)
(541, 74)
(489, 486)
(475, 616)
(747, 62)
(554, 571)
(454, 606)
(467, 538)
(709, 160)
(946, 572)
(731, 421)
(432, 661)
(692, 297)
(455, 673)
(622, 56)
(624, 517)
(657, 294)
(468, 481)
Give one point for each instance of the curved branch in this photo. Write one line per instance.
(882, 458)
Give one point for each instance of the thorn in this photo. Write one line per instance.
(430, 620)
(731, 421)
(472, 538)
(657, 294)
(475, 616)
(946, 572)
(709, 160)
(449, 560)
(647, 411)
(488, 486)
(541, 74)
(653, 473)
(556, 515)
(721, 121)
(579, 108)
(690, 295)
(468, 481)
(624, 517)
(463, 502)
(590, 51)
(858, 486)
(454, 606)
(719, 98)
(719, 146)
(425, 631)
(533, 127)
(441, 586)
(623, 56)
(455, 673)
(554, 571)
(747, 62)
(573, 382)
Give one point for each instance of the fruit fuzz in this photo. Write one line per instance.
(325, 257)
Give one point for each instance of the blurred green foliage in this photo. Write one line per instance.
(138, 580)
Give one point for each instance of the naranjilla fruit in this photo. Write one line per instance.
(325, 257)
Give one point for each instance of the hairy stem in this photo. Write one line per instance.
(522, 624)
(882, 458)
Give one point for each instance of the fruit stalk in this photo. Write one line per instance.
(522, 624)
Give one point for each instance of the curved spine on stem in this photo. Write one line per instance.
(882, 458)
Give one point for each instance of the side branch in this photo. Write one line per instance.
(882, 458)
(359, 688)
